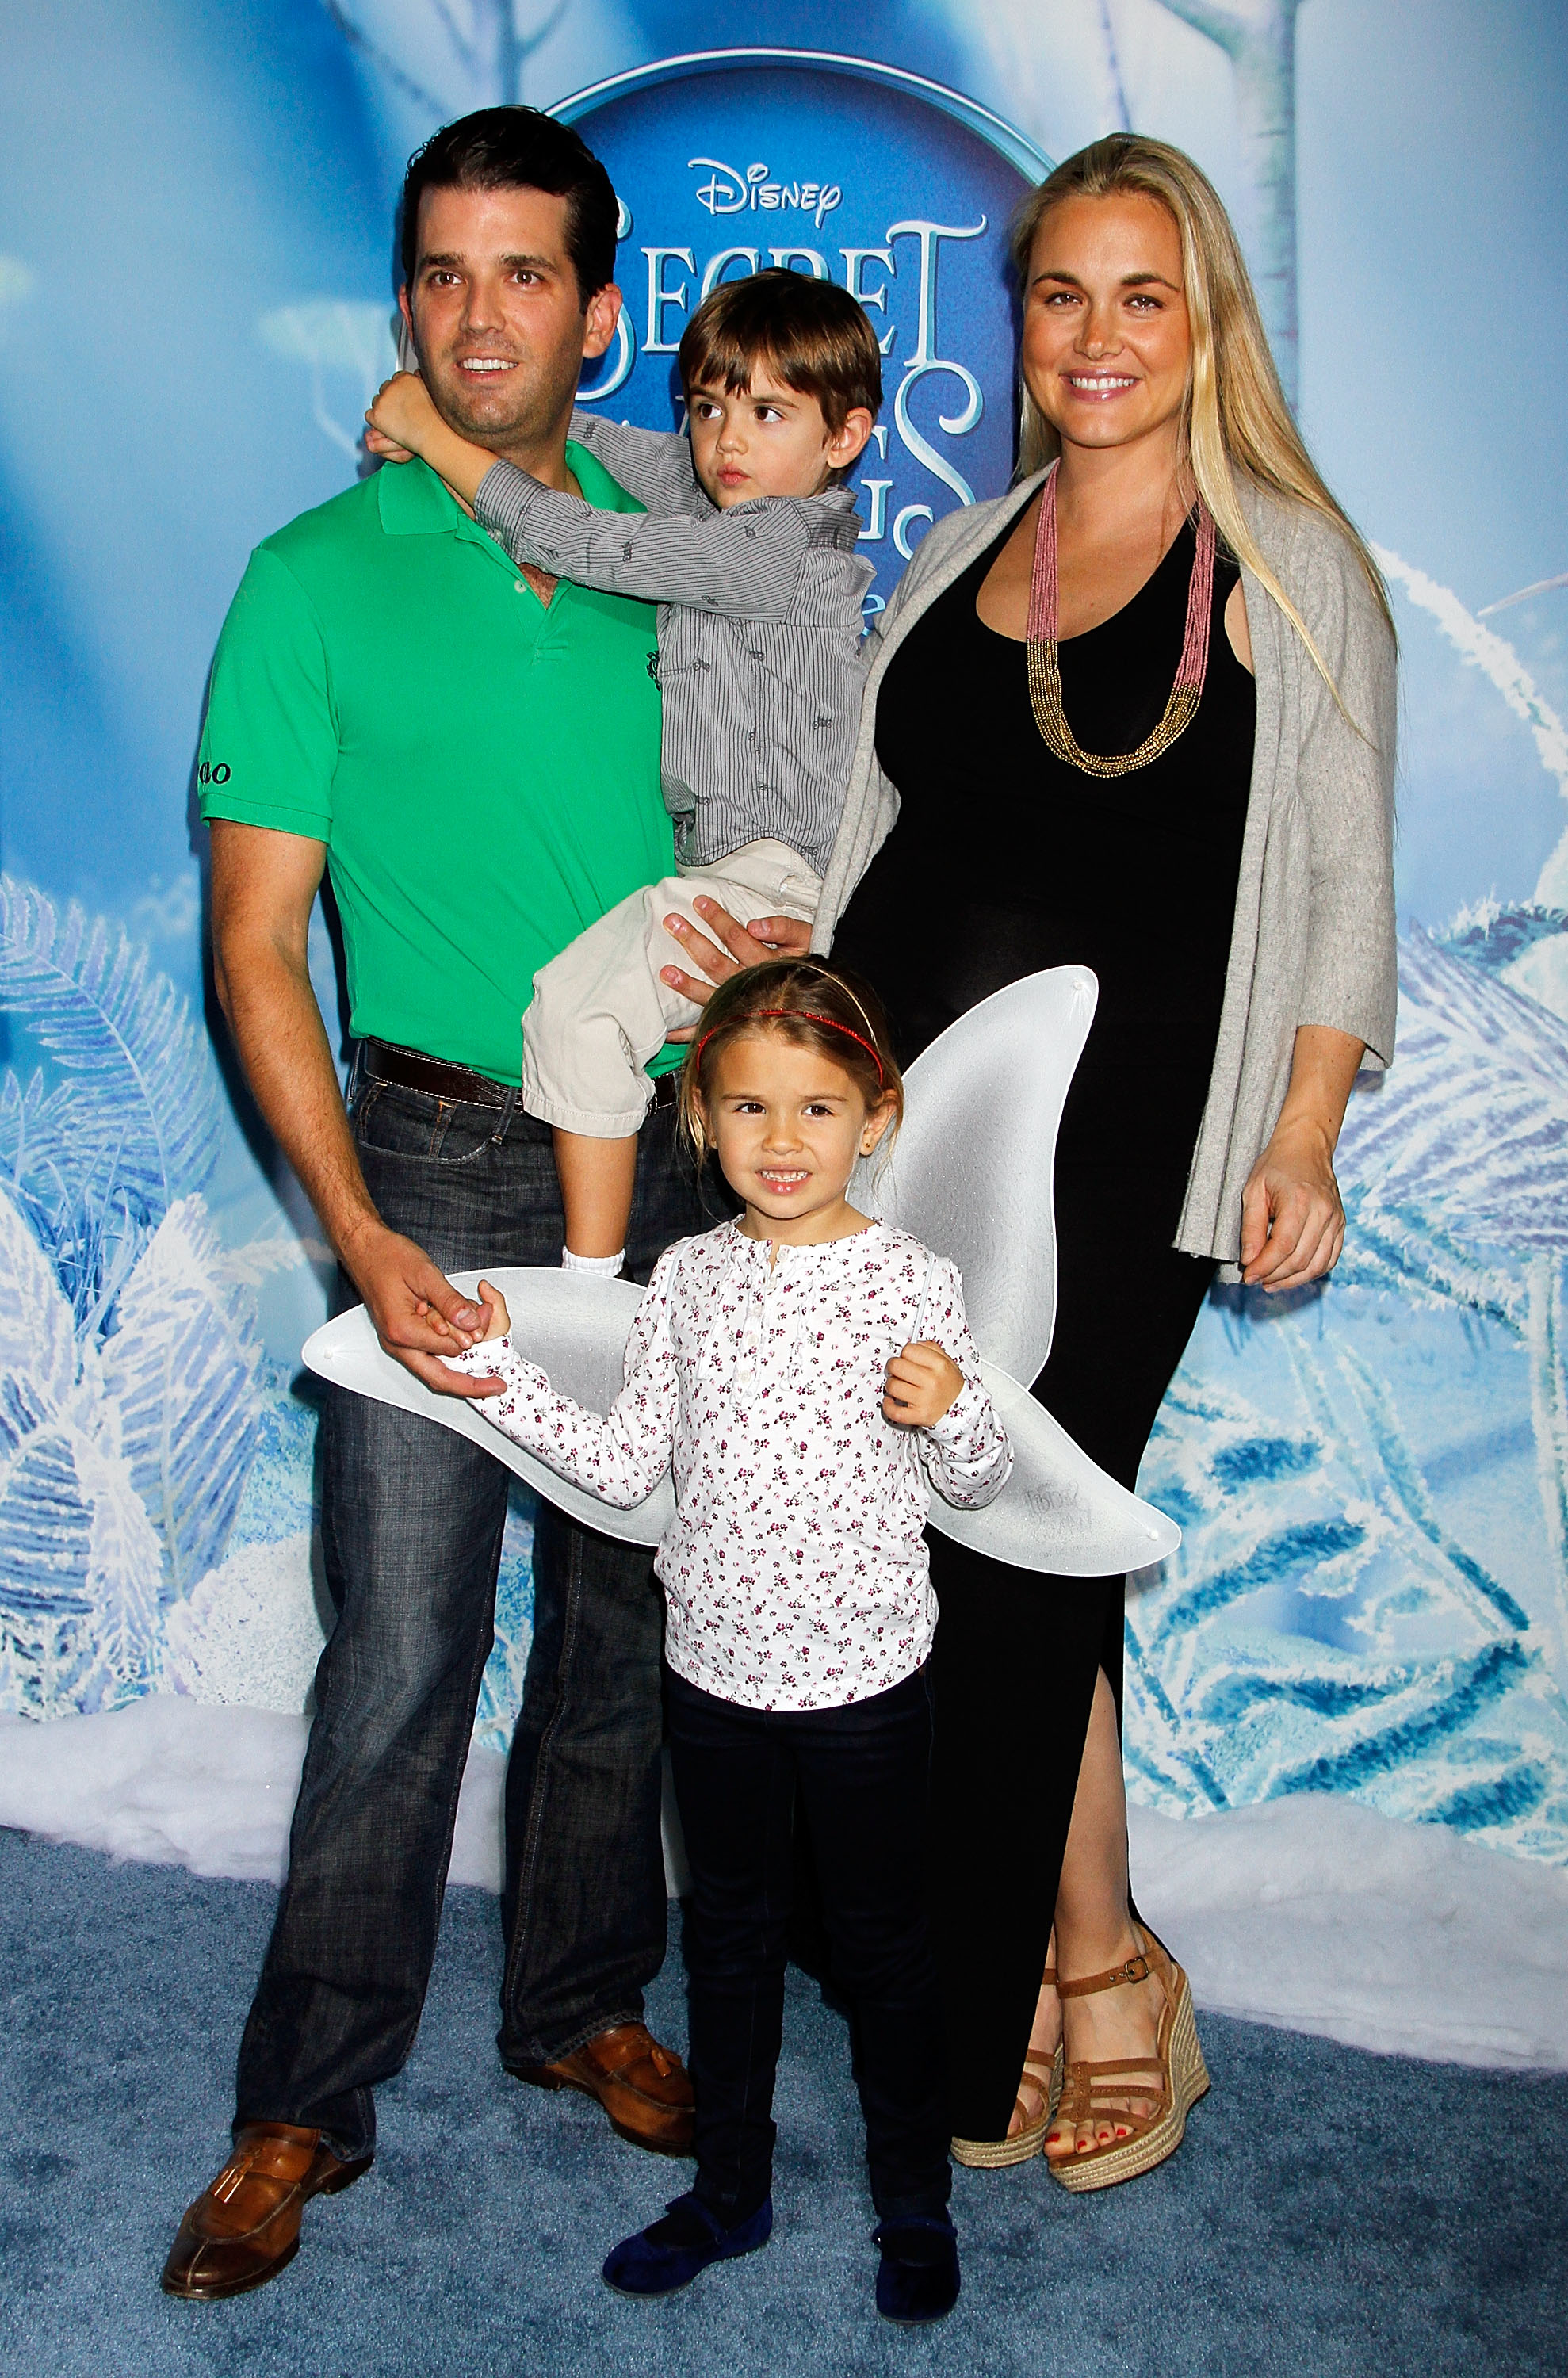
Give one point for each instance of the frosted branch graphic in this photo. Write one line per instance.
(17, 284)
(1523, 594)
(1484, 649)
(449, 55)
(1023, 47)
(341, 337)
(1258, 38)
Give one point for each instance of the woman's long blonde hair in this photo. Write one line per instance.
(1235, 419)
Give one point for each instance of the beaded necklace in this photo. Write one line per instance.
(1045, 674)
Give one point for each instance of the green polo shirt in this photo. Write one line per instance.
(483, 769)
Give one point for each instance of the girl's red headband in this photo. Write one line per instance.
(806, 1015)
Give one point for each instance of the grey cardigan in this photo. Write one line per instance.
(1313, 941)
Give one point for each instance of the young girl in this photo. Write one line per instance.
(808, 1371)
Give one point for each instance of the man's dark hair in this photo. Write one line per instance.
(519, 149)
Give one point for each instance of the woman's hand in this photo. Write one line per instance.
(1292, 1214)
(732, 947)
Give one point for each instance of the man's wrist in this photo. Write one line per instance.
(354, 1236)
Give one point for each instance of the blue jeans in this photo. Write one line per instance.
(412, 1516)
(859, 1779)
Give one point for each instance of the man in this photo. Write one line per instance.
(474, 750)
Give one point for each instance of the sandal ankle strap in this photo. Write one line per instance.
(1137, 1969)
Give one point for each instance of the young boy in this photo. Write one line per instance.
(748, 545)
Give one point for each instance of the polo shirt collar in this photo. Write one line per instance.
(413, 502)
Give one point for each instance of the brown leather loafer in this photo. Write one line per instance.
(244, 2228)
(645, 2089)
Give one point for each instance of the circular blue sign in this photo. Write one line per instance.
(895, 188)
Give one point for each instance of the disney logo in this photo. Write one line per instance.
(729, 191)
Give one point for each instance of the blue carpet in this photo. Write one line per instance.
(1330, 2213)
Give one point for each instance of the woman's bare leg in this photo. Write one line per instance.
(1094, 1933)
(1031, 2104)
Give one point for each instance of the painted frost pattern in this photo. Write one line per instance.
(157, 1496)
(1330, 1622)
(129, 1412)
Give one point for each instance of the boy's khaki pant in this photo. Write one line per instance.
(600, 1010)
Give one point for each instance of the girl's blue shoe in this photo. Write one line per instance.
(669, 2254)
(918, 2278)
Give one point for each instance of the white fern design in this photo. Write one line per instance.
(96, 1161)
(129, 1412)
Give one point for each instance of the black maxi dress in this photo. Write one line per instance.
(1005, 859)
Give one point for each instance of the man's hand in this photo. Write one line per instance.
(922, 1384)
(416, 1313)
(732, 947)
(402, 420)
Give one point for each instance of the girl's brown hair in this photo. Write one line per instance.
(810, 1005)
(1236, 424)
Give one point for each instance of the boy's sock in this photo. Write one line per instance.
(606, 1265)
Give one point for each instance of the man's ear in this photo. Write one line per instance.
(407, 353)
(600, 317)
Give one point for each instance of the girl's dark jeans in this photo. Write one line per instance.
(411, 1523)
(858, 1778)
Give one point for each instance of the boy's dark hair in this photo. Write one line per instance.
(519, 149)
(811, 1005)
(813, 334)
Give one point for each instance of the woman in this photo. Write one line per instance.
(1138, 713)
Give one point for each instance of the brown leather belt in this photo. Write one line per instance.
(385, 1061)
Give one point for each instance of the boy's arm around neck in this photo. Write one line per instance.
(743, 564)
(654, 465)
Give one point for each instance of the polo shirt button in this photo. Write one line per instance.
(520, 585)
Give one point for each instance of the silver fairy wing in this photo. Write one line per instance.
(969, 1173)
(971, 1178)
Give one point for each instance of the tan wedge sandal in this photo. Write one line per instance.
(1088, 2090)
(1043, 2075)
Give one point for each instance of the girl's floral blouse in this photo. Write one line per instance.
(795, 1570)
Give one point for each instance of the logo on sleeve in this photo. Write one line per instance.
(209, 774)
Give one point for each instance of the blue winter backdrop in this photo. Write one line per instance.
(194, 290)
